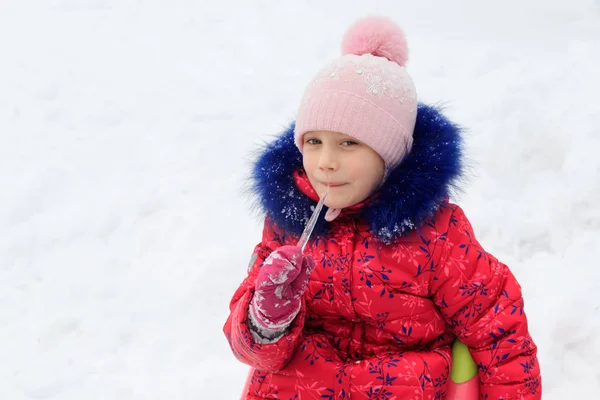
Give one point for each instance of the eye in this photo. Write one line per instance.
(312, 141)
(348, 143)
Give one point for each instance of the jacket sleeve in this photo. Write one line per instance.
(481, 300)
(266, 357)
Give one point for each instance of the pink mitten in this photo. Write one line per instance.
(279, 287)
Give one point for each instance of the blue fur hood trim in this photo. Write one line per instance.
(413, 191)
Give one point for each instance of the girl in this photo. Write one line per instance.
(393, 275)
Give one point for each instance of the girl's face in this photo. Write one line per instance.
(351, 169)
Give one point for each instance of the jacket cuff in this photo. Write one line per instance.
(264, 335)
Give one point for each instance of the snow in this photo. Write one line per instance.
(126, 131)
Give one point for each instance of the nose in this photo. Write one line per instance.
(328, 160)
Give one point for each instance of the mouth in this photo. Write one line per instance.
(333, 184)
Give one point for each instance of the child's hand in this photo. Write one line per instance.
(280, 285)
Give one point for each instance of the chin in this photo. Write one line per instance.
(337, 204)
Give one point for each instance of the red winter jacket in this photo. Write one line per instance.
(384, 304)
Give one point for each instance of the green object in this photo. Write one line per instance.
(463, 366)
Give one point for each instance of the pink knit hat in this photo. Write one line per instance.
(366, 93)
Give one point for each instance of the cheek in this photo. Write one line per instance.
(371, 177)
(379, 173)
(376, 171)
(309, 164)
(306, 162)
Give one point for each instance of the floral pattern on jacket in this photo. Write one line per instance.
(378, 320)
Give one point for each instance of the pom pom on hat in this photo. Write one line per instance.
(378, 36)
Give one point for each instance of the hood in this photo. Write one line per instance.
(413, 191)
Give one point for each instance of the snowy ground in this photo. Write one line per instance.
(126, 128)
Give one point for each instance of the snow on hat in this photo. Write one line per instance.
(366, 93)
